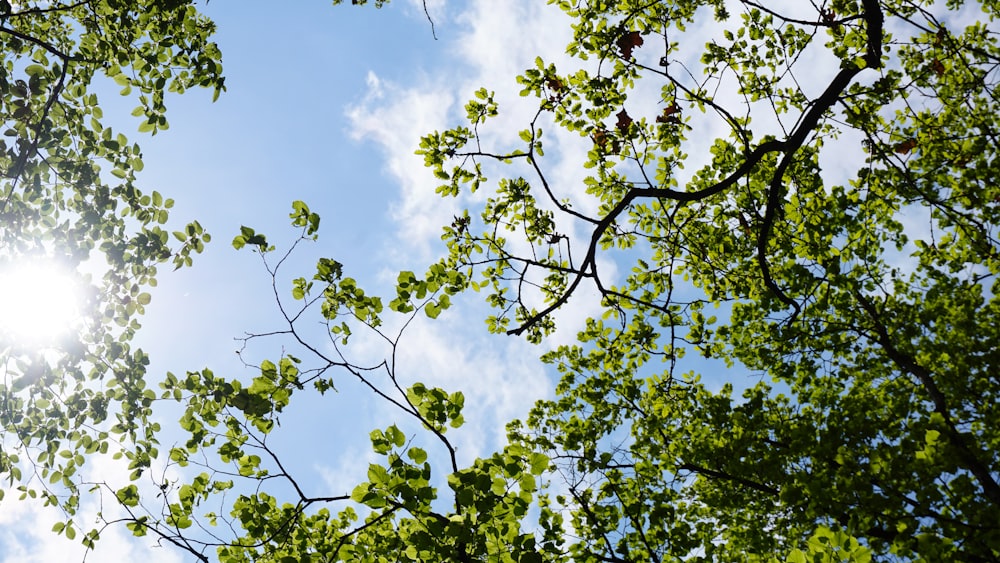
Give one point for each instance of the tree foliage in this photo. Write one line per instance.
(835, 237)
(865, 302)
(68, 194)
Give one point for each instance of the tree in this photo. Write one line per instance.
(69, 194)
(872, 433)
(876, 411)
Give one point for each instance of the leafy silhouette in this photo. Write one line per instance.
(626, 43)
(624, 121)
(671, 114)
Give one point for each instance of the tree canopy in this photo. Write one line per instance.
(806, 193)
(69, 196)
(876, 412)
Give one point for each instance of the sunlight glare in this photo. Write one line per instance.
(39, 302)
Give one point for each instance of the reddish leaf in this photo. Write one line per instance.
(600, 137)
(623, 121)
(906, 146)
(670, 114)
(628, 42)
(938, 67)
(940, 36)
(554, 84)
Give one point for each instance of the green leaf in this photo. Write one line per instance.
(129, 495)
(539, 463)
(432, 310)
(418, 455)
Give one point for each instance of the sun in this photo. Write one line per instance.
(40, 302)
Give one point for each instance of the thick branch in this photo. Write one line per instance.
(807, 125)
(760, 487)
(588, 267)
(40, 42)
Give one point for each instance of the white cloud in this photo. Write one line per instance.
(495, 46)
(395, 118)
(349, 470)
(500, 377)
(492, 45)
(27, 535)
